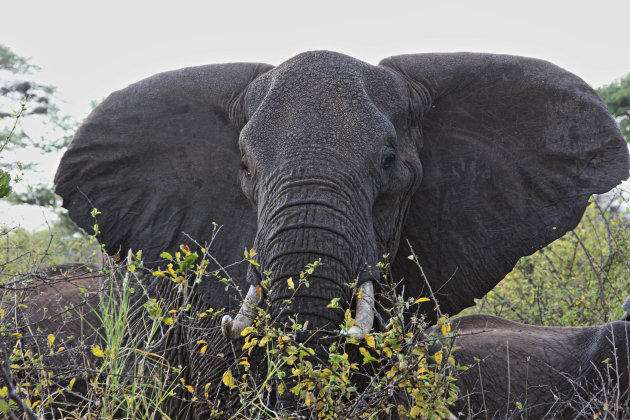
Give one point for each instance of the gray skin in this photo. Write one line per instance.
(554, 372)
(473, 159)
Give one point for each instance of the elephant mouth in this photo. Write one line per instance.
(364, 313)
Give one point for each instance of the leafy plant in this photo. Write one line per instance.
(394, 371)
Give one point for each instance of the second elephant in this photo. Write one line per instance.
(519, 370)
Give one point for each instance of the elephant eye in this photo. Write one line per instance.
(388, 160)
(244, 167)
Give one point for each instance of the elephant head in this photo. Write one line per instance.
(473, 159)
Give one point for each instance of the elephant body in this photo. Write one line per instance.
(551, 372)
(472, 160)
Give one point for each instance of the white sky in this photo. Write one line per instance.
(90, 49)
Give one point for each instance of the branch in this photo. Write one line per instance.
(5, 370)
(17, 118)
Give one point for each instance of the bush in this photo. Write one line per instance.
(130, 371)
(580, 279)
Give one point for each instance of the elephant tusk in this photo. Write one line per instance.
(364, 317)
(232, 328)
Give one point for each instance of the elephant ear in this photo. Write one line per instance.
(512, 148)
(159, 160)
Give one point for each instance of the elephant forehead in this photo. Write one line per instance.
(326, 96)
(328, 78)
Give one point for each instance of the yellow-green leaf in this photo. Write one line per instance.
(96, 351)
(71, 384)
(168, 320)
(309, 398)
(290, 283)
(247, 330)
(203, 349)
(228, 380)
(422, 299)
(415, 412)
(51, 340)
(438, 356)
(369, 340)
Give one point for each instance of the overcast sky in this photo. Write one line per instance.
(90, 49)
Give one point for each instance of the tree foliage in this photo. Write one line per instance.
(616, 95)
(16, 88)
(22, 99)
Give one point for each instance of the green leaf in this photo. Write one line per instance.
(5, 181)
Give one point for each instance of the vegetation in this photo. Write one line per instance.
(393, 371)
(398, 370)
(617, 98)
(581, 279)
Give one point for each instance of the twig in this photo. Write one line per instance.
(17, 118)
(507, 302)
(598, 274)
(6, 375)
(426, 280)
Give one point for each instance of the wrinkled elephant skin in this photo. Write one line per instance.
(552, 372)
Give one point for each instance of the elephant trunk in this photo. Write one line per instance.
(319, 228)
(328, 235)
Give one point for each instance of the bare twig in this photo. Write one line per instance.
(5, 371)
(17, 118)
(426, 280)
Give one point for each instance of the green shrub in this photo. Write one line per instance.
(580, 279)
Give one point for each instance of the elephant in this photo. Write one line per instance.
(468, 160)
(520, 370)
(59, 301)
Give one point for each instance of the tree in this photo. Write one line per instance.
(23, 99)
(617, 98)
(26, 107)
